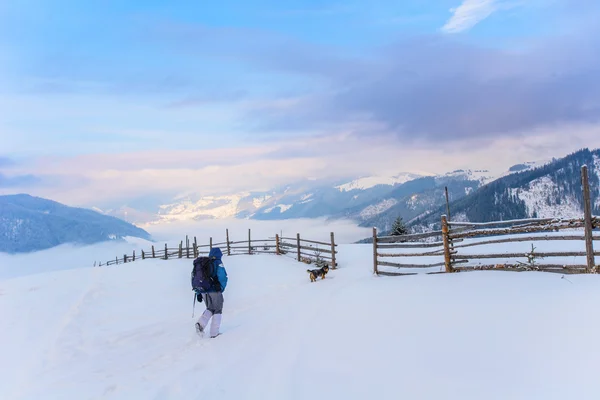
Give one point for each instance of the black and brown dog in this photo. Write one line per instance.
(315, 273)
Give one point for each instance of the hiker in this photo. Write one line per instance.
(210, 290)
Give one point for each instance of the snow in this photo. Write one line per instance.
(376, 209)
(483, 176)
(536, 195)
(282, 208)
(371, 181)
(126, 332)
(206, 207)
(258, 202)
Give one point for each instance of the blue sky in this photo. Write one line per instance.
(276, 82)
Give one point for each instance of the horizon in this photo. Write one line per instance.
(113, 102)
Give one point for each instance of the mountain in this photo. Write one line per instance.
(371, 181)
(550, 190)
(303, 199)
(370, 200)
(417, 197)
(30, 223)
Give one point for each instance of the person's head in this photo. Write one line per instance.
(215, 252)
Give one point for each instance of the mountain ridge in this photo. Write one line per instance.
(29, 223)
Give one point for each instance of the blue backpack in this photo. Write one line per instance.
(204, 275)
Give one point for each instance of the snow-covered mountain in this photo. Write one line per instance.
(546, 189)
(304, 199)
(30, 223)
(368, 182)
(370, 200)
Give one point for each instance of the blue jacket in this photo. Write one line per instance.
(221, 272)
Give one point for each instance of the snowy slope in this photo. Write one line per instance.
(126, 332)
(205, 207)
(368, 182)
(541, 196)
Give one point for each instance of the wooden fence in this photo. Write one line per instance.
(452, 246)
(303, 250)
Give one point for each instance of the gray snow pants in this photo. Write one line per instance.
(214, 302)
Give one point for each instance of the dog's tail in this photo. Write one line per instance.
(309, 271)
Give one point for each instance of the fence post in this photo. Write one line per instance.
(181, 249)
(153, 255)
(277, 244)
(333, 262)
(447, 203)
(210, 244)
(298, 244)
(196, 251)
(587, 216)
(143, 255)
(375, 269)
(124, 258)
(446, 241)
(187, 247)
(227, 239)
(249, 243)
(166, 252)
(133, 255)
(117, 260)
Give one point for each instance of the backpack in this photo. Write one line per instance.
(204, 275)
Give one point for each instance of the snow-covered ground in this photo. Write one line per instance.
(126, 332)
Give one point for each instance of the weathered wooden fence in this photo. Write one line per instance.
(303, 250)
(453, 246)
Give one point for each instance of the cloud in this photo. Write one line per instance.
(469, 14)
(433, 89)
(112, 180)
(18, 181)
(6, 162)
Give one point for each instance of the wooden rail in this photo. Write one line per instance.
(308, 251)
(457, 236)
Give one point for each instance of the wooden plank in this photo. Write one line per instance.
(316, 249)
(307, 241)
(522, 255)
(507, 222)
(511, 231)
(521, 239)
(427, 254)
(408, 238)
(385, 273)
(521, 267)
(314, 256)
(410, 245)
(390, 264)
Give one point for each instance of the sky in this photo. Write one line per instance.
(105, 101)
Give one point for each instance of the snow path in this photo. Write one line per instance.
(126, 332)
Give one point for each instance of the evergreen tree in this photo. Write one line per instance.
(398, 227)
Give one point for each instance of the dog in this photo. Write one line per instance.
(315, 273)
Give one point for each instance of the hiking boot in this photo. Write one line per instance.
(199, 329)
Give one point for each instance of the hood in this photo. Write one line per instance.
(216, 253)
